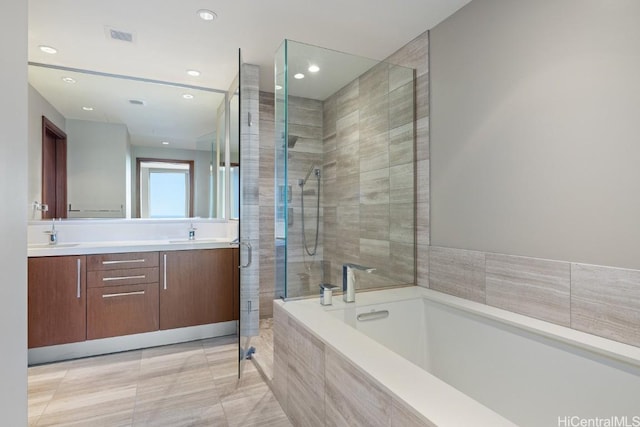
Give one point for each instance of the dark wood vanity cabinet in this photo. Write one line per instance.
(57, 300)
(77, 298)
(197, 287)
(122, 294)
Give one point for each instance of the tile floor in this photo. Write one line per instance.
(189, 384)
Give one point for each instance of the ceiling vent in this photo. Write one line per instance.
(136, 102)
(119, 35)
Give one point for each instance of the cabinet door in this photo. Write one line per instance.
(196, 287)
(56, 300)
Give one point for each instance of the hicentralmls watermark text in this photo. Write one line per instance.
(615, 421)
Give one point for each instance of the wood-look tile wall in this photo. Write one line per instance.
(599, 300)
(371, 129)
(266, 167)
(415, 54)
(250, 229)
(372, 142)
(304, 272)
(315, 385)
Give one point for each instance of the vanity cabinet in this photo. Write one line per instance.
(197, 287)
(122, 294)
(56, 300)
(86, 297)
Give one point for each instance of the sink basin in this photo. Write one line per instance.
(48, 246)
(203, 240)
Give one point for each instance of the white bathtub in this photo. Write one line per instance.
(460, 363)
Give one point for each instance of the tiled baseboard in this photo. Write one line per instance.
(603, 301)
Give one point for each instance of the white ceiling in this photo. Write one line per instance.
(170, 38)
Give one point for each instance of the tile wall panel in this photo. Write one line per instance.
(281, 336)
(305, 378)
(533, 287)
(457, 272)
(317, 386)
(402, 416)
(599, 300)
(351, 398)
(605, 301)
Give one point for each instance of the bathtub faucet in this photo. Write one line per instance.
(349, 280)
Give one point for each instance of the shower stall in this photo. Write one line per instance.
(344, 170)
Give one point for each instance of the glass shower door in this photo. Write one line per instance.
(245, 99)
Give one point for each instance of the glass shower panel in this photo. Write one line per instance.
(345, 169)
(281, 190)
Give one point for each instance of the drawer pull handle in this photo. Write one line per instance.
(78, 280)
(110, 279)
(373, 315)
(164, 265)
(123, 294)
(124, 261)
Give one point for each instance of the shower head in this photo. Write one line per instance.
(316, 172)
(291, 141)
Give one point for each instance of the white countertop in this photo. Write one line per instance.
(102, 247)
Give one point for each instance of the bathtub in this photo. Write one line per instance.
(454, 362)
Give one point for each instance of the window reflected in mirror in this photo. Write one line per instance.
(165, 188)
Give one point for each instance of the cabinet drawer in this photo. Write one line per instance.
(122, 310)
(129, 276)
(122, 261)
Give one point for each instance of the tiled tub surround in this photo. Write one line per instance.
(603, 301)
(530, 372)
(368, 185)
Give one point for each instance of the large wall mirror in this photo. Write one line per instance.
(117, 126)
(130, 143)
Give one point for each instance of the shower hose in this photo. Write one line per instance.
(304, 235)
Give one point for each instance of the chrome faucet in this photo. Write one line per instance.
(192, 232)
(349, 280)
(53, 233)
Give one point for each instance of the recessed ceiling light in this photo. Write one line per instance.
(87, 108)
(48, 49)
(298, 76)
(313, 68)
(278, 87)
(165, 142)
(68, 80)
(194, 73)
(207, 15)
(187, 96)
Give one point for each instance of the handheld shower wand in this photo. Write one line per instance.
(301, 183)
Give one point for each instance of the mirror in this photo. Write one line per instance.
(110, 122)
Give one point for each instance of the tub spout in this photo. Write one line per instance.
(349, 280)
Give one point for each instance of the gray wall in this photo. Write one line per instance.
(13, 227)
(96, 165)
(534, 130)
